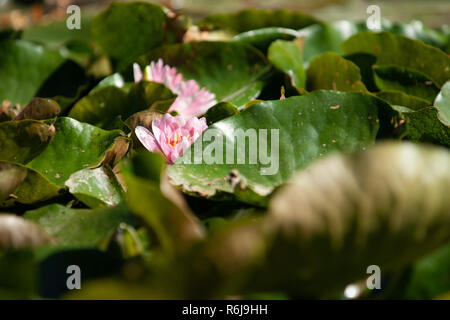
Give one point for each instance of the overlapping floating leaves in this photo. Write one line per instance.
(76, 185)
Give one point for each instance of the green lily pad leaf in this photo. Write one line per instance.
(324, 37)
(416, 30)
(425, 125)
(321, 38)
(332, 72)
(23, 185)
(158, 203)
(24, 66)
(115, 80)
(79, 227)
(75, 146)
(21, 141)
(399, 98)
(377, 211)
(408, 81)
(233, 71)
(220, 111)
(103, 105)
(56, 33)
(298, 130)
(251, 19)
(442, 103)
(138, 25)
(12, 176)
(262, 38)
(76, 43)
(287, 57)
(39, 109)
(398, 50)
(96, 187)
(162, 106)
(17, 233)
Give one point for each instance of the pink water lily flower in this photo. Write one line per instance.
(191, 101)
(171, 136)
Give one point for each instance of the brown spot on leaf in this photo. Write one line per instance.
(233, 177)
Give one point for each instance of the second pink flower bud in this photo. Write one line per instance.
(192, 101)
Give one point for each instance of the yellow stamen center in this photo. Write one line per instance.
(175, 141)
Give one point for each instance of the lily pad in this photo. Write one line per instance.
(425, 125)
(75, 146)
(299, 129)
(56, 33)
(398, 50)
(138, 25)
(408, 81)
(96, 187)
(24, 66)
(287, 57)
(220, 111)
(21, 141)
(442, 103)
(233, 71)
(79, 227)
(332, 72)
(39, 109)
(23, 185)
(417, 30)
(321, 38)
(251, 19)
(399, 98)
(262, 38)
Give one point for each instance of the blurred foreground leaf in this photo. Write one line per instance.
(17, 233)
(158, 203)
(344, 213)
